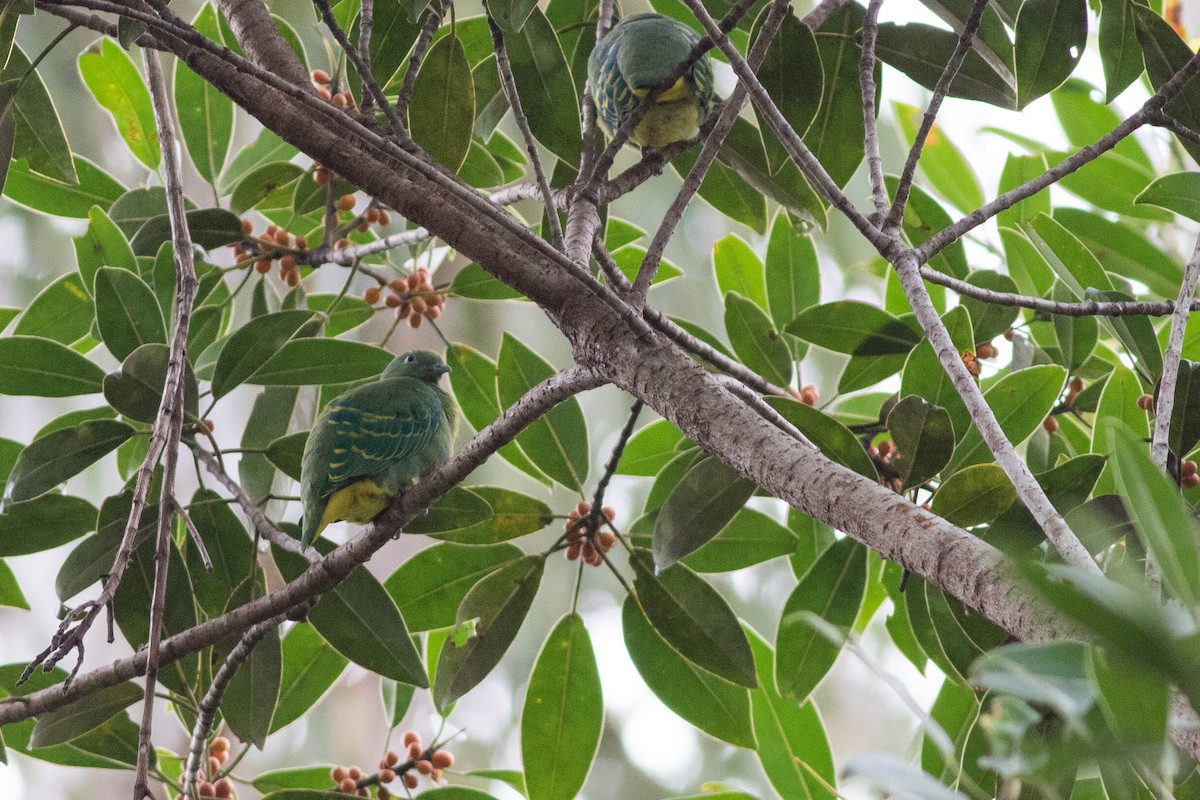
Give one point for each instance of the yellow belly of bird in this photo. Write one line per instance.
(359, 502)
(674, 118)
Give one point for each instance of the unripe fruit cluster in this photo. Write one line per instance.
(986, 350)
(320, 79)
(971, 363)
(274, 243)
(218, 754)
(584, 540)
(1073, 390)
(346, 780)
(1188, 478)
(808, 395)
(413, 298)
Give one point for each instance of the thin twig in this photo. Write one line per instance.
(366, 23)
(935, 103)
(432, 21)
(823, 11)
(514, 102)
(193, 533)
(708, 153)
(171, 405)
(1028, 489)
(614, 458)
(216, 690)
(866, 82)
(1164, 404)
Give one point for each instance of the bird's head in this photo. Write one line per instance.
(420, 364)
(651, 47)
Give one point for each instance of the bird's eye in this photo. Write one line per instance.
(409, 359)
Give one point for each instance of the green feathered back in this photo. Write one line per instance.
(391, 432)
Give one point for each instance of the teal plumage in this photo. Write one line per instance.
(373, 440)
(637, 55)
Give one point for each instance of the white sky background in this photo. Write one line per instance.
(859, 712)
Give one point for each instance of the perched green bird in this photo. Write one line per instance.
(636, 56)
(373, 440)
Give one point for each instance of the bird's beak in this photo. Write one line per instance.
(442, 369)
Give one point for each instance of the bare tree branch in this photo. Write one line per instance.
(866, 82)
(1165, 402)
(261, 41)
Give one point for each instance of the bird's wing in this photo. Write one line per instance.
(374, 428)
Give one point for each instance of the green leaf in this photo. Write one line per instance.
(715, 706)
(475, 282)
(232, 577)
(127, 311)
(249, 701)
(62, 311)
(831, 437)
(793, 275)
(755, 341)
(563, 714)
(921, 51)
(473, 379)
(205, 114)
(836, 134)
(136, 390)
(790, 737)
(557, 442)
(286, 453)
(498, 604)
(442, 111)
(1120, 52)
(694, 619)
(348, 313)
(310, 669)
(750, 538)
(134, 207)
(51, 460)
(649, 450)
(362, 623)
(1165, 54)
(35, 525)
(10, 591)
(1053, 674)
(974, 495)
(60, 198)
(792, 52)
(942, 163)
(1123, 249)
(854, 328)
(38, 136)
(455, 511)
(705, 500)
(512, 515)
(924, 216)
(1021, 401)
(924, 376)
(989, 320)
(924, 438)
(1162, 519)
(266, 186)
(102, 245)
(739, 269)
(1018, 170)
(90, 711)
(544, 82)
(1049, 41)
(1178, 192)
(210, 228)
(296, 782)
(301, 362)
(93, 557)
(430, 586)
(252, 345)
(831, 590)
(1184, 432)
(117, 86)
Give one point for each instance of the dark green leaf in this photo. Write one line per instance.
(127, 312)
(792, 52)
(229, 548)
(831, 590)
(310, 668)
(348, 313)
(286, 453)
(93, 558)
(1050, 37)
(544, 83)
(512, 515)
(498, 604)
(708, 496)
(37, 133)
(62, 311)
(59, 198)
(91, 710)
(833, 438)
(117, 86)
(1185, 414)
(924, 376)
(475, 282)
(836, 134)
(35, 525)
(362, 623)
(253, 345)
(1165, 54)
(250, 698)
(210, 228)
(921, 51)
(430, 586)
(1120, 52)
(854, 328)
(563, 714)
(136, 389)
(924, 438)
(755, 341)
(974, 495)
(1122, 249)
(301, 362)
(442, 111)
(54, 458)
(715, 706)
(205, 114)
(694, 619)
(793, 273)
(557, 442)
(134, 207)
(750, 538)
(989, 320)
(1054, 674)
(1021, 401)
(272, 181)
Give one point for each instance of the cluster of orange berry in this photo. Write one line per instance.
(424, 761)
(1188, 478)
(1146, 402)
(271, 244)
(583, 539)
(971, 363)
(218, 754)
(807, 395)
(321, 79)
(347, 778)
(413, 298)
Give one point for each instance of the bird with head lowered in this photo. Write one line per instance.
(638, 55)
(370, 442)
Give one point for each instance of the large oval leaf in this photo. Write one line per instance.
(974, 495)
(563, 714)
(91, 710)
(755, 341)
(854, 328)
(50, 460)
(62, 311)
(30, 365)
(48, 521)
(442, 111)
(310, 668)
(116, 84)
(430, 586)
(544, 83)
(709, 495)
(301, 362)
(127, 311)
(924, 439)
(252, 345)
(205, 114)
(1020, 400)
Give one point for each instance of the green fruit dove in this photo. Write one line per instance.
(370, 442)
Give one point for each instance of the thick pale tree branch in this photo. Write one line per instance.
(1165, 401)
(261, 41)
